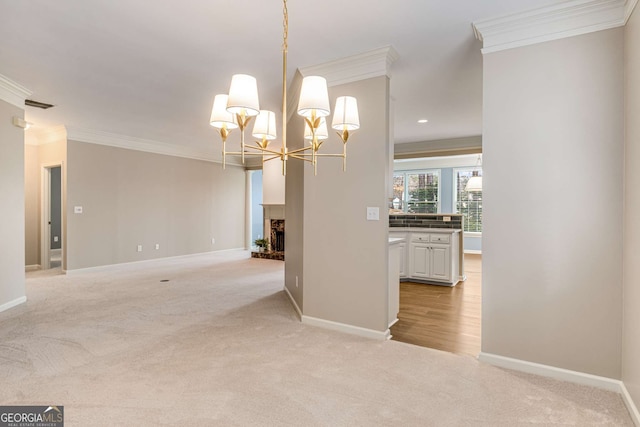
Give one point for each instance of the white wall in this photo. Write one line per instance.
(552, 241)
(631, 289)
(12, 251)
(44, 148)
(345, 257)
(273, 182)
(132, 198)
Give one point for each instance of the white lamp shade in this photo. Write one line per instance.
(345, 115)
(474, 184)
(314, 97)
(321, 133)
(219, 114)
(243, 95)
(265, 125)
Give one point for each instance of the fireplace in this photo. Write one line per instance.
(273, 231)
(277, 235)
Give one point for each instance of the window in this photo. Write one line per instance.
(417, 192)
(467, 203)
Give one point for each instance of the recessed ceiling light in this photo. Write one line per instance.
(423, 121)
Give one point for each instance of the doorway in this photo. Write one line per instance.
(257, 212)
(442, 317)
(52, 236)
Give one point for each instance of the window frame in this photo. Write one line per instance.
(455, 193)
(436, 171)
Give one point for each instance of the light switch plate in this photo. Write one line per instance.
(77, 209)
(373, 214)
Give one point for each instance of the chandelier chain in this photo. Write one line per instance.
(285, 25)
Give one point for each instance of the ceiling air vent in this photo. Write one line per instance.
(32, 103)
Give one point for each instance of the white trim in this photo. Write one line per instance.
(349, 329)
(551, 372)
(140, 144)
(12, 92)
(567, 19)
(11, 304)
(373, 63)
(434, 171)
(48, 135)
(629, 5)
(141, 264)
(472, 252)
(33, 267)
(630, 404)
(293, 301)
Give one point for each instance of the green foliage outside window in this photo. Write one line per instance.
(469, 204)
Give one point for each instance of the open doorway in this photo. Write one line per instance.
(441, 317)
(257, 213)
(51, 243)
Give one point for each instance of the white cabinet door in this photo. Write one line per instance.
(420, 254)
(403, 259)
(440, 262)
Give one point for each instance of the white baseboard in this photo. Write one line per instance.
(138, 264)
(566, 375)
(34, 267)
(11, 304)
(551, 372)
(472, 252)
(349, 329)
(293, 302)
(631, 406)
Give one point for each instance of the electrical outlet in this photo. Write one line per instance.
(373, 214)
(77, 209)
(139, 248)
(213, 241)
(157, 246)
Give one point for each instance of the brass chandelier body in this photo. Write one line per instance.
(240, 106)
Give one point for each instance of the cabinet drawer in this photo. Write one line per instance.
(440, 238)
(424, 238)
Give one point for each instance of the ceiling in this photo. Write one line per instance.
(149, 69)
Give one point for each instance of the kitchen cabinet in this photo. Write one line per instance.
(395, 245)
(430, 257)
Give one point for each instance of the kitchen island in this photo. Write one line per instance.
(431, 250)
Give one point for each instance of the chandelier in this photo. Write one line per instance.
(236, 110)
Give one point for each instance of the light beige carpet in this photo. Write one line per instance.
(220, 345)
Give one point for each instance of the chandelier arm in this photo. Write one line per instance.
(298, 150)
(247, 153)
(263, 150)
(270, 158)
(344, 157)
(295, 156)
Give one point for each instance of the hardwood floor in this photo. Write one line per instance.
(442, 317)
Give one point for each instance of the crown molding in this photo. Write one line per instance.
(548, 23)
(140, 144)
(12, 92)
(48, 135)
(629, 5)
(373, 63)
